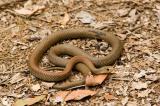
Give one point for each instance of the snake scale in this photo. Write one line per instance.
(84, 62)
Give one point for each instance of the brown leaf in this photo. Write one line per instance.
(79, 94)
(95, 80)
(73, 95)
(60, 96)
(25, 11)
(29, 101)
(108, 97)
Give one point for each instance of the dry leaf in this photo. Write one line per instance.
(35, 87)
(68, 3)
(25, 11)
(144, 93)
(123, 90)
(139, 85)
(3, 68)
(60, 96)
(95, 80)
(48, 84)
(133, 17)
(65, 19)
(16, 78)
(29, 101)
(132, 103)
(108, 96)
(40, 34)
(123, 12)
(139, 75)
(156, 56)
(152, 77)
(158, 15)
(73, 95)
(5, 101)
(102, 25)
(85, 17)
(124, 101)
(28, 4)
(79, 94)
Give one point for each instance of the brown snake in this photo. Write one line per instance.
(38, 52)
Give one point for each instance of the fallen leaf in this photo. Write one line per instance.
(152, 77)
(132, 103)
(68, 3)
(139, 75)
(123, 90)
(25, 11)
(3, 68)
(139, 85)
(40, 34)
(79, 94)
(123, 12)
(29, 101)
(5, 101)
(65, 19)
(133, 17)
(16, 95)
(144, 93)
(48, 84)
(110, 104)
(156, 56)
(124, 101)
(108, 97)
(158, 15)
(85, 17)
(73, 95)
(95, 80)
(60, 96)
(16, 78)
(28, 4)
(35, 87)
(102, 25)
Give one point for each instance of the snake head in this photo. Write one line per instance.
(106, 70)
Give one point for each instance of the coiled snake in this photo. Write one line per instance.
(84, 62)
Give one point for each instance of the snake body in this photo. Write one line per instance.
(38, 52)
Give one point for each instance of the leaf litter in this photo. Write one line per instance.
(25, 22)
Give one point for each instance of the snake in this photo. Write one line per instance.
(81, 63)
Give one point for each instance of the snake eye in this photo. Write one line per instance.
(106, 68)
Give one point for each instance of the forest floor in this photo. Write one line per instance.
(24, 23)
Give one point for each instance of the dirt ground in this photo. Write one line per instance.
(24, 23)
